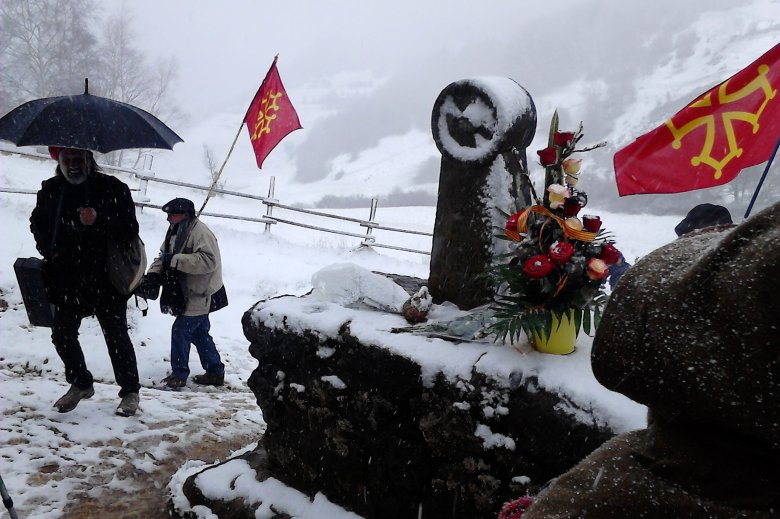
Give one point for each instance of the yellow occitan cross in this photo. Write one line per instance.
(761, 82)
(268, 105)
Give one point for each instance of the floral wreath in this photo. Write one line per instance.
(558, 262)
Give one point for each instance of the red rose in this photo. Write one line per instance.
(516, 508)
(548, 156)
(571, 207)
(591, 223)
(537, 267)
(511, 224)
(563, 139)
(561, 252)
(610, 254)
(597, 269)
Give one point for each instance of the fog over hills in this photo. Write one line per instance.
(364, 79)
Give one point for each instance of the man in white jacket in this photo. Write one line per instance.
(189, 268)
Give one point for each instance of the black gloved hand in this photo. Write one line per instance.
(166, 260)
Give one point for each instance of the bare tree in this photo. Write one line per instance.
(47, 48)
(128, 76)
(211, 164)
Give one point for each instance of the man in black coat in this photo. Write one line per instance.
(78, 212)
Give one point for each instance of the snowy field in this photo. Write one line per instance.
(49, 461)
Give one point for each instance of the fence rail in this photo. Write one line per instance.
(145, 176)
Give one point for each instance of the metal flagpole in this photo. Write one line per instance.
(219, 173)
(763, 176)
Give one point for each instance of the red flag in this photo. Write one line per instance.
(271, 116)
(707, 143)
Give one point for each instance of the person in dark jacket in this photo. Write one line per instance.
(78, 212)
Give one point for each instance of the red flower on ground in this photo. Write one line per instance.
(561, 252)
(537, 267)
(516, 508)
(548, 156)
(610, 254)
(563, 139)
(597, 269)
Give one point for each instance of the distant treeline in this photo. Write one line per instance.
(394, 199)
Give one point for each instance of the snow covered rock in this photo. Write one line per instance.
(387, 424)
(382, 442)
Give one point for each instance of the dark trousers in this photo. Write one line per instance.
(188, 330)
(113, 322)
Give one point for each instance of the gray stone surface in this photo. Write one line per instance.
(384, 443)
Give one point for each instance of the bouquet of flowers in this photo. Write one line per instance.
(559, 259)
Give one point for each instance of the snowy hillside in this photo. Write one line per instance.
(621, 69)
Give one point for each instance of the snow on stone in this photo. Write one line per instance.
(497, 199)
(334, 381)
(351, 285)
(510, 100)
(570, 375)
(325, 352)
(491, 440)
(236, 480)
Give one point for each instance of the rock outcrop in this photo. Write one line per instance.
(395, 424)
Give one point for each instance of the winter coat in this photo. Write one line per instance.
(75, 255)
(197, 261)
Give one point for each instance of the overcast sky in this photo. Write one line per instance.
(225, 48)
(589, 59)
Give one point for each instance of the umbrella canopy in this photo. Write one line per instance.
(85, 122)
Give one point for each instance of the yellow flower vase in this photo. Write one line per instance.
(562, 336)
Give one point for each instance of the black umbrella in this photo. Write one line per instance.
(85, 122)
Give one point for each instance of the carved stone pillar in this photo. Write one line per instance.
(482, 127)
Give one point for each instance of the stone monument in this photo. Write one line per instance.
(482, 127)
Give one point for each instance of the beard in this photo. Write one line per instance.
(74, 176)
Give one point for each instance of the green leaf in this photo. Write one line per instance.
(578, 320)
(553, 128)
(586, 321)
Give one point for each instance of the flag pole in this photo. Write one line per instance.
(219, 173)
(763, 176)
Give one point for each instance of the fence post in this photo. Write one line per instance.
(270, 207)
(146, 168)
(369, 239)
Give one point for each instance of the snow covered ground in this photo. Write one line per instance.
(49, 460)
